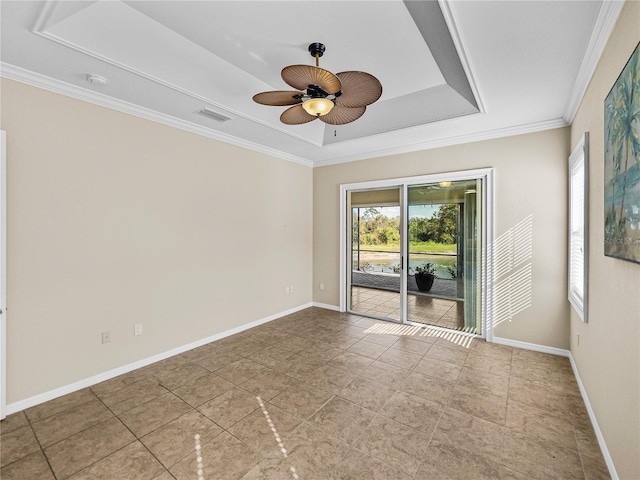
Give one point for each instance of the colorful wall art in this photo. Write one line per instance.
(622, 164)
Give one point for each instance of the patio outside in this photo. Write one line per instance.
(376, 261)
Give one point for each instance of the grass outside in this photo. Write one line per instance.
(414, 247)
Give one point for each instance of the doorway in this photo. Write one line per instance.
(374, 276)
(417, 250)
(444, 238)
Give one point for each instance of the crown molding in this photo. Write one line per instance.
(46, 83)
(40, 30)
(604, 24)
(450, 141)
(37, 80)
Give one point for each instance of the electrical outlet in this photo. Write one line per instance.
(322, 286)
(106, 337)
(291, 289)
(286, 289)
(138, 329)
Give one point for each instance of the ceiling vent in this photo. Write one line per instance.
(218, 117)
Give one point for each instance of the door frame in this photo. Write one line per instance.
(402, 191)
(3, 274)
(488, 234)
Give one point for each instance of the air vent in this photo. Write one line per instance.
(218, 117)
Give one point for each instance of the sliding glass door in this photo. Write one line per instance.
(375, 239)
(443, 238)
(415, 251)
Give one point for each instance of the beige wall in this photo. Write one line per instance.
(114, 220)
(530, 180)
(608, 356)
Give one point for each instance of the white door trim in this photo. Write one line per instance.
(488, 213)
(3, 274)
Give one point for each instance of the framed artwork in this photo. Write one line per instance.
(622, 164)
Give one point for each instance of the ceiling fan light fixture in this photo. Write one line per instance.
(317, 106)
(318, 91)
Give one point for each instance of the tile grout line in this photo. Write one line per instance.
(359, 374)
(41, 448)
(65, 438)
(81, 431)
(137, 439)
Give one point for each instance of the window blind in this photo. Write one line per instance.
(578, 228)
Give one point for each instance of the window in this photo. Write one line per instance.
(578, 226)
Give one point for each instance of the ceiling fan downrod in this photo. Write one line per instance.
(335, 99)
(316, 50)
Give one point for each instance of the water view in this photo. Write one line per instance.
(432, 234)
(386, 261)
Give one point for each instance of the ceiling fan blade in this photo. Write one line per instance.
(340, 115)
(359, 89)
(278, 98)
(301, 76)
(296, 115)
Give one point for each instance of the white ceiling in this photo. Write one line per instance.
(451, 71)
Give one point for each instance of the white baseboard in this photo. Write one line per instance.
(326, 306)
(566, 353)
(58, 392)
(532, 346)
(594, 422)
(101, 377)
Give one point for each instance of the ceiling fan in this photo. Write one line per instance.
(435, 186)
(334, 99)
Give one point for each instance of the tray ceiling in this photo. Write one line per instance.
(451, 71)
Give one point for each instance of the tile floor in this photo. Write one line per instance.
(439, 312)
(318, 395)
